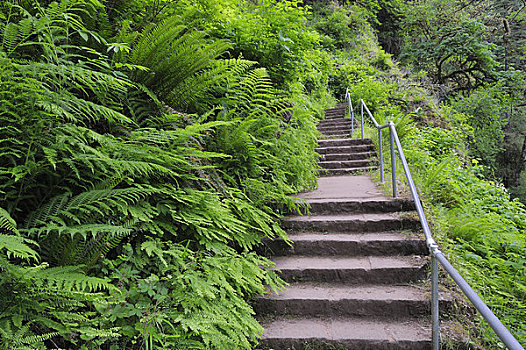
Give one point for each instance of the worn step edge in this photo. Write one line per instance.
(335, 121)
(343, 156)
(345, 171)
(344, 142)
(344, 149)
(348, 333)
(351, 270)
(342, 164)
(333, 300)
(330, 128)
(338, 136)
(329, 206)
(365, 222)
(346, 244)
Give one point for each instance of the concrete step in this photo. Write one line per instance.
(335, 122)
(341, 164)
(345, 333)
(335, 300)
(348, 244)
(350, 156)
(352, 222)
(335, 130)
(333, 206)
(339, 115)
(351, 270)
(344, 142)
(344, 149)
(339, 112)
(343, 123)
(335, 136)
(345, 171)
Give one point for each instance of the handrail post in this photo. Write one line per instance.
(381, 155)
(362, 121)
(362, 103)
(351, 112)
(352, 115)
(435, 317)
(393, 159)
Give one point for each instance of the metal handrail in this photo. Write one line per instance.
(436, 255)
(350, 109)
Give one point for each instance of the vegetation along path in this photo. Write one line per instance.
(355, 262)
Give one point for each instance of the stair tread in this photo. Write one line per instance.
(347, 263)
(333, 292)
(342, 171)
(358, 200)
(347, 328)
(346, 217)
(352, 161)
(342, 149)
(357, 141)
(346, 237)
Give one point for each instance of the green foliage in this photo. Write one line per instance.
(126, 223)
(272, 33)
(484, 228)
(452, 48)
(182, 304)
(485, 108)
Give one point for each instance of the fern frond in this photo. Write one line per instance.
(69, 279)
(7, 223)
(17, 247)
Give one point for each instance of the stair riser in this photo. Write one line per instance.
(348, 248)
(351, 225)
(354, 276)
(345, 131)
(334, 126)
(346, 149)
(358, 344)
(344, 157)
(344, 142)
(341, 121)
(341, 172)
(332, 208)
(346, 164)
(336, 135)
(335, 111)
(396, 309)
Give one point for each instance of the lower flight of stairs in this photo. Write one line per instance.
(353, 279)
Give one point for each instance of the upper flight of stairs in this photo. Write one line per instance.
(353, 270)
(340, 155)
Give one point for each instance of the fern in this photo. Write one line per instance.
(182, 63)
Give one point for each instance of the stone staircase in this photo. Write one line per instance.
(354, 268)
(339, 154)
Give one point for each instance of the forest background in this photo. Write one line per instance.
(148, 147)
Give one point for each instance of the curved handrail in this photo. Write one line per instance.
(436, 255)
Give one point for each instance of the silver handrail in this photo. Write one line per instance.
(350, 111)
(436, 255)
